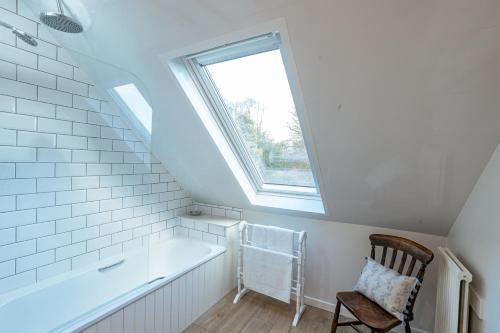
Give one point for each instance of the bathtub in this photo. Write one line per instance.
(77, 300)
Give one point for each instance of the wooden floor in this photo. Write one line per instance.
(256, 313)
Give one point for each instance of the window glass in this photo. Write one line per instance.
(259, 102)
(135, 102)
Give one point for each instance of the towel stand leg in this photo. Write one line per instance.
(300, 306)
(239, 295)
(241, 292)
(298, 315)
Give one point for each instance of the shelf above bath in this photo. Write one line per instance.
(225, 222)
(210, 228)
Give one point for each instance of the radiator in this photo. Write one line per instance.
(452, 302)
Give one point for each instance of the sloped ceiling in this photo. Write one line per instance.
(402, 96)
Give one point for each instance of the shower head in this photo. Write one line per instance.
(60, 21)
(24, 36)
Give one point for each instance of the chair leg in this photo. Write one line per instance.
(407, 327)
(336, 315)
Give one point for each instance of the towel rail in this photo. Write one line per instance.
(299, 256)
(296, 257)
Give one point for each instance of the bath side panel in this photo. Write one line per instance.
(176, 305)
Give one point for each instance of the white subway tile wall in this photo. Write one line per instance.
(76, 185)
(216, 210)
(205, 231)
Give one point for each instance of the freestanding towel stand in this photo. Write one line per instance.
(299, 257)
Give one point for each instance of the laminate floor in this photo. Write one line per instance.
(256, 313)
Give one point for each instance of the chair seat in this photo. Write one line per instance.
(367, 311)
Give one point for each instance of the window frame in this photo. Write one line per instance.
(196, 65)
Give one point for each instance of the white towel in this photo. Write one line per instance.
(267, 272)
(272, 238)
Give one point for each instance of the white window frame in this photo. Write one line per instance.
(195, 63)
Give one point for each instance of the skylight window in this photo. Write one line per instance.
(247, 88)
(135, 103)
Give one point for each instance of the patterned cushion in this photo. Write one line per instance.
(386, 287)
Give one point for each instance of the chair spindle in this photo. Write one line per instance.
(403, 262)
(384, 254)
(393, 258)
(411, 266)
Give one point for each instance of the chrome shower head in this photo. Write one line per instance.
(24, 36)
(60, 21)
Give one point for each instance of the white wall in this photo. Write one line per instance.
(475, 240)
(400, 136)
(76, 185)
(335, 257)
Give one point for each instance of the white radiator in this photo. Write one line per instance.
(452, 303)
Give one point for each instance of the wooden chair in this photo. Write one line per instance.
(369, 313)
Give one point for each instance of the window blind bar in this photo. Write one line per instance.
(263, 43)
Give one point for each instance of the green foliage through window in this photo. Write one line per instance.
(258, 100)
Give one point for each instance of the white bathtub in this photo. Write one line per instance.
(76, 300)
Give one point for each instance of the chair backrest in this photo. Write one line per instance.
(408, 248)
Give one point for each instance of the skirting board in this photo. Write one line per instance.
(327, 306)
